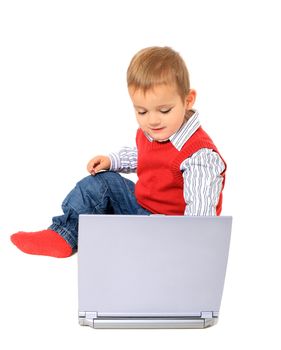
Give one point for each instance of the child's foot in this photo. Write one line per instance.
(46, 242)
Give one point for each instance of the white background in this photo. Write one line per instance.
(63, 99)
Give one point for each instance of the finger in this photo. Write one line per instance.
(92, 164)
(97, 168)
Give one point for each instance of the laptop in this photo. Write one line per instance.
(152, 271)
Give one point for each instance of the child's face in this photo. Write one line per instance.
(160, 111)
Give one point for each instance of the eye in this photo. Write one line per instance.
(142, 113)
(165, 111)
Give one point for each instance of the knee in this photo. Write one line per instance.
(107, 176)
(86, 182)
(100, 179)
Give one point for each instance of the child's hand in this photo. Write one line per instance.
(98, 163)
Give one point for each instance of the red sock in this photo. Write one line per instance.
(46, 242)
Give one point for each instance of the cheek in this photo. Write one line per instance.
(177, 123)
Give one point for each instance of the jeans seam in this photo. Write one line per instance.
(102, 196)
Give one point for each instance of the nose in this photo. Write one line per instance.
(153, 119)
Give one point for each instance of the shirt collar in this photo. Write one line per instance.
(179, 138)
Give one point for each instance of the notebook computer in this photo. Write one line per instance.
(151, 271)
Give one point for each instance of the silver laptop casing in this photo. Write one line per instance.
(151, 271)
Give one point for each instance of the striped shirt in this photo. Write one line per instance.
(201, 172)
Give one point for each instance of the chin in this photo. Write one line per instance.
(161, 139)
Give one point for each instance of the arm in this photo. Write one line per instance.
(202, 182)
(124, 161)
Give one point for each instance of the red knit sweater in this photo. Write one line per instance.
(159, 188)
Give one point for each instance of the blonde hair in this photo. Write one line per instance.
(158, 65)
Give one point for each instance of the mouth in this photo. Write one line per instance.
(157, 129)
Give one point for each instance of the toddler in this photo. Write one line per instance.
(180, 171)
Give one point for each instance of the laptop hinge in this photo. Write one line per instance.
(87, 318)
(210, 318)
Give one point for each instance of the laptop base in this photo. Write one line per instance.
(86, 319)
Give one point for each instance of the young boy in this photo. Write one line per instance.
(180, 171)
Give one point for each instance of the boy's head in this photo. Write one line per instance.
(158, 65)
(158, 84)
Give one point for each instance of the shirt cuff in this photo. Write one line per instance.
(115, 161)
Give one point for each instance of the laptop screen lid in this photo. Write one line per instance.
(145, 267)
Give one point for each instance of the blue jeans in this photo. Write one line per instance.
(105, 193)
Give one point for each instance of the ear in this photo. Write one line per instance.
(190, 99)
